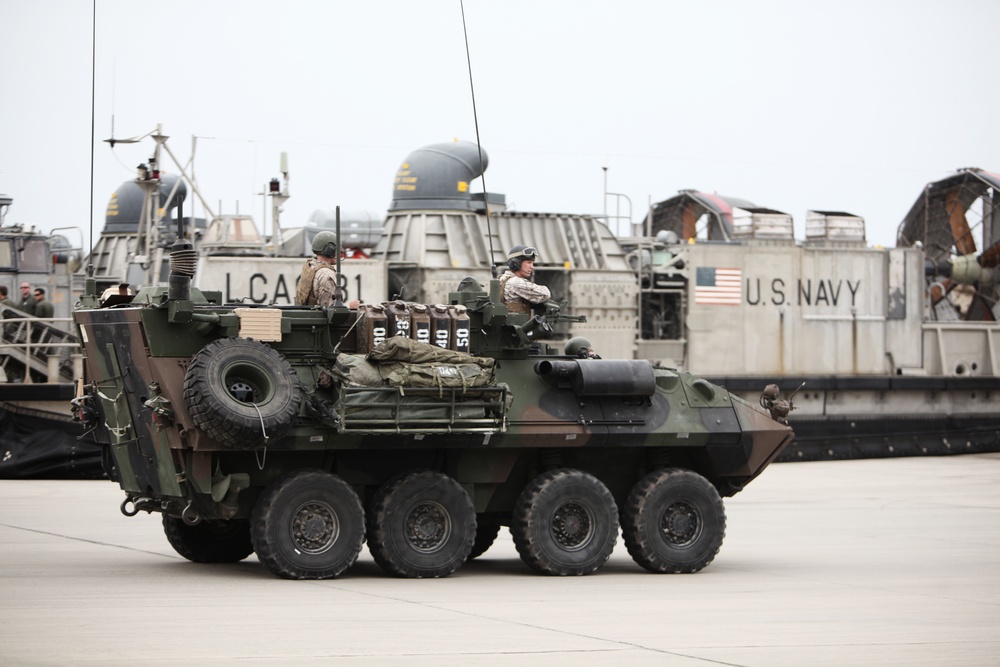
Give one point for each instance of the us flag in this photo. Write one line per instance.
(717, 286)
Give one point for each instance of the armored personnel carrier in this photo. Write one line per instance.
(297, 433)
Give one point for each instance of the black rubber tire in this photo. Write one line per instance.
(229, 377)
(421, 525)
(210, 541)
(565, 523)
(308, 524)
(486, 535)
(674, 521)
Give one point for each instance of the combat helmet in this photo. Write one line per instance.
(519, 253)
(578, 347)
(325, 243)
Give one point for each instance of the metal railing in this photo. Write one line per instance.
(423, 410)
(39, 346)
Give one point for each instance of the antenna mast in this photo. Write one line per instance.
(479, 146)
(93, 87)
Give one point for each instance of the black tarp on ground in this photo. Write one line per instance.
(33, 447)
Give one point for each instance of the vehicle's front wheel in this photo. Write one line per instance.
(211, 541)
(308, 524)
(674, 521)
(565, 522)
(421, 524)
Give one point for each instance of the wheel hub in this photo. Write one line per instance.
(572, 526)
(241, 391)
(315, 527)
(680, 524)
(428, 527)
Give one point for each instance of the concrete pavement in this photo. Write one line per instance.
(887, 562)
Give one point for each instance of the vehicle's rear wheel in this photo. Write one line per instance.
(210, 541)
(486, 534)
(421, 525)
(308, 524)
(674, 521)
(565, 522)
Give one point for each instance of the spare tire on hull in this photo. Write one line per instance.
(241, 392)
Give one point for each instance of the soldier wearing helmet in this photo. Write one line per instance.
(318, 283)
(519, 292)
(580, 347)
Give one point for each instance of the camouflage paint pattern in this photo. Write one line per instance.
(137, 356)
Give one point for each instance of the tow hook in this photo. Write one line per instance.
(190, 515)
(132, 506)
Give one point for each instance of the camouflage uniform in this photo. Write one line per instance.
(519, 293)
(322, 280)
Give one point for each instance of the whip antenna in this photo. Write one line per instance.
(479, 146)
(93, 78)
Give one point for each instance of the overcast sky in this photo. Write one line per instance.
(792, 105)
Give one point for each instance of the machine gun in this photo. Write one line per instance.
(553, 312)
(547, 314)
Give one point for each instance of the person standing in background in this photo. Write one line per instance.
(43, 308)
(27, 300)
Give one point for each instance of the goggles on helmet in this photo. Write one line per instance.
(527, 253)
